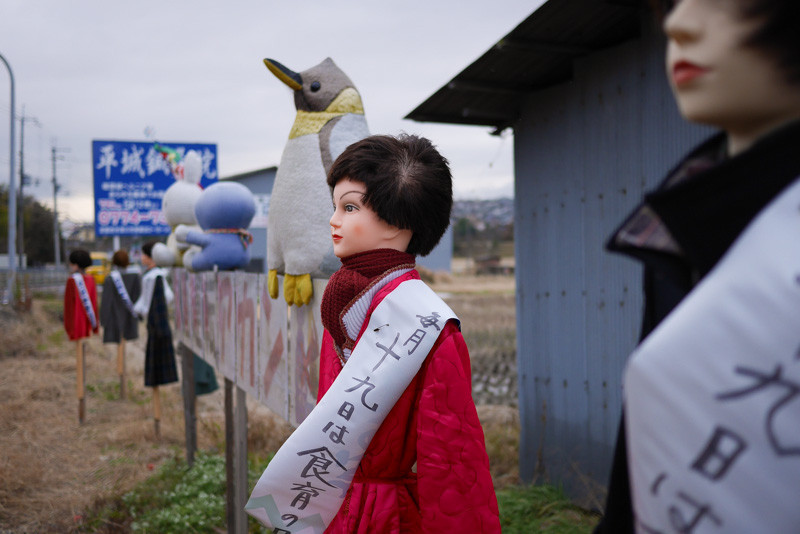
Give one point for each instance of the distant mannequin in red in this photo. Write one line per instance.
(426, 468)
(77, 322)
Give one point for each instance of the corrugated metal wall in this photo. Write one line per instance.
(585, 152)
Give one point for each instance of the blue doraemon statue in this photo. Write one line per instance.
(224, 212)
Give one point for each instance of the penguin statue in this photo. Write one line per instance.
(330, 117)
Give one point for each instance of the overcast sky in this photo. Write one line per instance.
(192, 71)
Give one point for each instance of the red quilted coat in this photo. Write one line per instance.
(76, 322)
(435, 425)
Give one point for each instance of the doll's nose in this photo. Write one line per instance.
(682, 24)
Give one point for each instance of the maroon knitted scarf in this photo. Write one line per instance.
(357, 273)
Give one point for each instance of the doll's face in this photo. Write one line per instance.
(719, 80)
(147, 261)
(355, 227)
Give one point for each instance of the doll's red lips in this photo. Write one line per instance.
(684, 72)
(336, 237)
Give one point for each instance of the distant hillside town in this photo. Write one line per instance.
(484, 213)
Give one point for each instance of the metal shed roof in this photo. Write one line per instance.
(536, 54)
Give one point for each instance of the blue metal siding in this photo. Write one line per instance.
(585, 152)
(441, 257)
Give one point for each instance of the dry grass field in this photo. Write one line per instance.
(52, 469)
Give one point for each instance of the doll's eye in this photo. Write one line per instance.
(315, 87)
(349, 208)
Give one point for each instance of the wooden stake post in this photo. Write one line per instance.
(157, 411)
(81, 371)
(189, 404)
(236, 457)
(240, 489)
(121, 367)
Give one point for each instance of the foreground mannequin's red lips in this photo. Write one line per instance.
(684, 72)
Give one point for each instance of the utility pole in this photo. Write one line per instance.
(22, 180)
(56, 232)
(12, 199)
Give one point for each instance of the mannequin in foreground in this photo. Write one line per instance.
(689, 456)
(415, 460)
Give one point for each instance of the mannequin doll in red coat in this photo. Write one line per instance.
(709, 437)
(424, 466)
(80, 314)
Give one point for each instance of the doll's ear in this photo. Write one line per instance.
(397, 238)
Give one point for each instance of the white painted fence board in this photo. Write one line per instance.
(210, 322)
(226, 311)
(272, 351)
(247, 368)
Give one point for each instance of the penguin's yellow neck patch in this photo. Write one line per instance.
(311, 122)
(348, 101)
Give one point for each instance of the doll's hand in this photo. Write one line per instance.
(181, 232)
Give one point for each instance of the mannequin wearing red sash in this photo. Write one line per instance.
(734, 65)
(426, 468)
(77, 322)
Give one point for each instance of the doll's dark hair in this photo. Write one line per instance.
(408, 184)
(778, 36)
(147, 248)
(120, 258)
(81, 258)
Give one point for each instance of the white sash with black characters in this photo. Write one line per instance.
(142, 306)
(713, 394)
(83, 294)
(304, 485)
(123, 292)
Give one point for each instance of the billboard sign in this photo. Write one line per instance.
(130, 178)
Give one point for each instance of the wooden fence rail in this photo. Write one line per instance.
(229, 320)
(261, 347)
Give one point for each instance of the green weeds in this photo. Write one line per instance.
(542, 509)
(176, 499)
(181, 500)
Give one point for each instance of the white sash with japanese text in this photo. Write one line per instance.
(304, 485)
(86, 301)
(142, 306)
(123, 292)
(713, 394)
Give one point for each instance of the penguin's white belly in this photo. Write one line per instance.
(348, 129)
(300, 208)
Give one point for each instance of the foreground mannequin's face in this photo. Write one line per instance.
(356, 228)
(720, 81)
